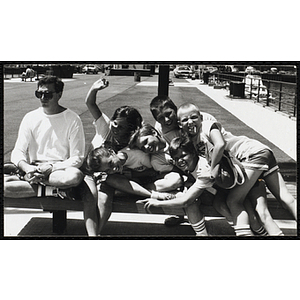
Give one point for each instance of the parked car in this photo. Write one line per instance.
(211, 70)
(90, 69)
(183, 71)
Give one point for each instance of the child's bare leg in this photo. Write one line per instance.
(89, 195)
(105, 199)
(258, 197)
(221, 207)
(169, 182)
(196, 219)
(277, 186)
(235, 202)
(255, 224)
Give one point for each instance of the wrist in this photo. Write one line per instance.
(154, 195)
(23, 165)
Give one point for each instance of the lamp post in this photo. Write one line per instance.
(163, 80)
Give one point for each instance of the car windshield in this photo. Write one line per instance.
(183, 68)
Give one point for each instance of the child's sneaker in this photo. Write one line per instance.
(174, 220)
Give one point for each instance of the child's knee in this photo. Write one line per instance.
(175, 180)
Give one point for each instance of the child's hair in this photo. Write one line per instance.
(132, 116)
(145, 130)
(94, 158)
(160, 102)
(187, 106)
(183, 143)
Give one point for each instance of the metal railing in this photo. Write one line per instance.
(280, 95)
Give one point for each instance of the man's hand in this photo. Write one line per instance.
(37, 174)
(34, 177)
(148, 203)
(45, 169)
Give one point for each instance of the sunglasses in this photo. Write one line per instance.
(47, 94)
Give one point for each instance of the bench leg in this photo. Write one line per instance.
(59, 221)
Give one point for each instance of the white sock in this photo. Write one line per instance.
(261, 231)
(243, 230)
(47, 191)
(51, 191)
(200, 228)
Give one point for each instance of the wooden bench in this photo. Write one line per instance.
(122, 203)
(126, 203)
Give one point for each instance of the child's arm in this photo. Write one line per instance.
(91, 96)
(181, 200)
(123, 184)
(219, 146)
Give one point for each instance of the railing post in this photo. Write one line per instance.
(295, 103)
(268, 93)
(280, 94)
(251, 88)
(258, 89)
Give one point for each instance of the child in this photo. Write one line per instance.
(185, 156)
(150, 141)
(257, 159)
(103, 159)
(164, 111)
(261, 221)
(117, 132)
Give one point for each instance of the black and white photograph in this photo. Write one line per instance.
(150, 149)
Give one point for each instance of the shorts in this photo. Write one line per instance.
(263, 160)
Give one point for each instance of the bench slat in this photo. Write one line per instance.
(46, 203)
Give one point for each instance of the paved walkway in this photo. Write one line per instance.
(240, 116)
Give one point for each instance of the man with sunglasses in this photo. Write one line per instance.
(49, 149)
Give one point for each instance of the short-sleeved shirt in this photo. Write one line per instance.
(103, 131)
(104, 134)
(239, 146)
(137, 160)
(161, 161)
(202, 174)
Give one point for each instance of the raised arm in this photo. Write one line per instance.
(91, 97)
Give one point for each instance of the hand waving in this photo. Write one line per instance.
(100, 84)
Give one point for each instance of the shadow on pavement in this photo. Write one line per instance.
(42, 227)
